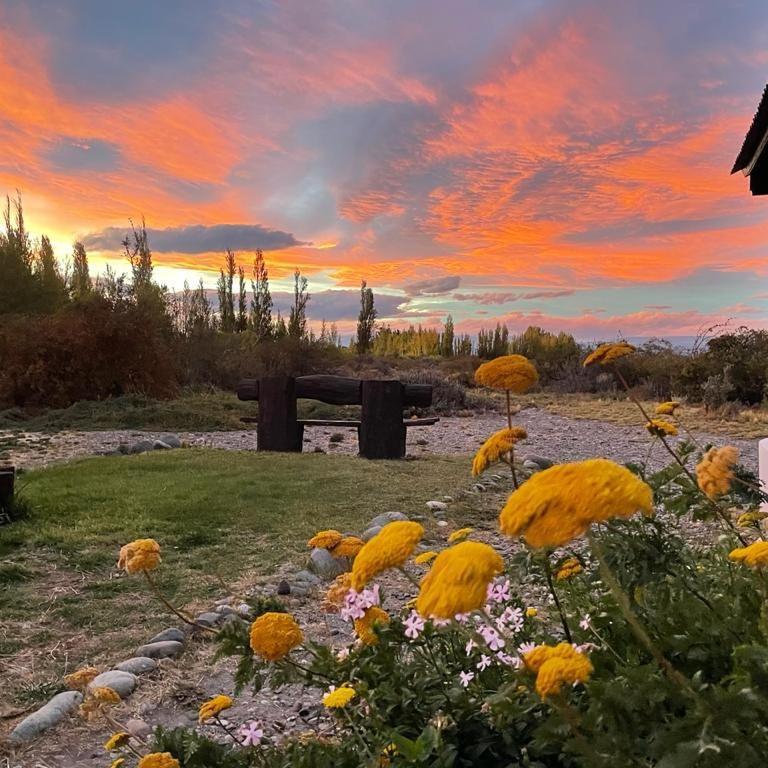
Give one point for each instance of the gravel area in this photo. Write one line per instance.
(555, 437)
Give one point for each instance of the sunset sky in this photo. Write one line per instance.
(563, 163)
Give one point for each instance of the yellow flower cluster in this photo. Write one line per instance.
(214, 707)
(425, 558)
(118, 763)
(159, 760)
(96, 701)
(459, 535)
(748, 519)
(560, 503)
(78, 681)
(106, 695)
(458, 580)
(511, 372)
(349, 546)
(607, 353)
(334, 597)
(497, 445)
(570, 568)
(339, 697)
(275, 635)
(364, 627)
(714, 472)
(117, 740)
(389, 548)
(667, 409)
(139, 555)
(325, 539)
(661, 428)
(555, 666)
(753, 556)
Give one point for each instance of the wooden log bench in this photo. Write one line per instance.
(381, 428)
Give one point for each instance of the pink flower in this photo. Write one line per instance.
(251, 734)
(441, 622)
(512, 618)
(465, 678)
(586, 622)
(484, 663)
(492, 638)
(356, 603)
(461, 617)
(511, 661)
(525, 648)
(414, 625)
(499, 592)
(470, 646)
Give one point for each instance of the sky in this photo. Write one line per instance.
(560, 163)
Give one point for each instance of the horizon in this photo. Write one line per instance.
(521, 165)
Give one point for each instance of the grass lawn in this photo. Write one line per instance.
(218, 515)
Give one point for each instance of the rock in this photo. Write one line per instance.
(225, 610)
(159, 445)
(447, 499)
(371, 532)
(124, 448)
(160, 650)
(479, 487)
(385, 518)
(433, 505)
(172, 633)
(122, 683)
(442, 523)
(283, 588)
(208, 618)
(532, 466)
(541, 461)
(422, 441)
(306, 576)
(318, 449)
(324, 564)
(138, 728)
(301, 589)
(243, 609)
(46, 717)
(142, 446)
(138, 665)
(172, 441)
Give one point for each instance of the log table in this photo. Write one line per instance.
(381, 428)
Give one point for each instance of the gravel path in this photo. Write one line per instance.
(556, 437)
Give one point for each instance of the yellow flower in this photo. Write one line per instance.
(117, 763)
(78, 681)
(497, 445)
(325, 539)
(458, 580)
(607, 353)
(531, 613)
(139, 555)
(667, 409)
(334, 597)
(571, 567)
(339, 697)
(425, 558)
(661, 428)
(389, 548)
(512, 372)
(460, 535)
(106, 695)
(558, 504)
(117, 740)
(159, 760)
(213, 707)
(349, 546)
(748, 519)
(557, 671)
(753, 556)
(364, 627)
(275, 635)
(714, 472)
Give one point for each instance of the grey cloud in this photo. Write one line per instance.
(506, 297)
(433, 286)
(198, 238)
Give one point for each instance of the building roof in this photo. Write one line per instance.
(755, 138)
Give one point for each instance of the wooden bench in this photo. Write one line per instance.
(381, 428)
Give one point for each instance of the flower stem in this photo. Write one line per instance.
(172, 608)
(511, 449)
(553, 591)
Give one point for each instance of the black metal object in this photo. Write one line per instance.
(752, 159)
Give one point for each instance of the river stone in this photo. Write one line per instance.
(46, 717)
(306, 576)
(386, 517)
(137, 665)
(324, 564)
(541, 461)
(160, 650)
(142, 446)
(172, 633)
(283, 588)
(159, 445)
(225, 610)
(435, 505)
(208, 619)
(122, 683)
(138, 728)
(371, 532)
(172, 441)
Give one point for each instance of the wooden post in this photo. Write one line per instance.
(7, 478)
(382, 433)
(278, 428)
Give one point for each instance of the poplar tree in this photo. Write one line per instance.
(297, 320)
(365, 320)
(261, 300)
(80, 280)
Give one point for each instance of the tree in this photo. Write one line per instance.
(447, 339)
(17, 286)
(224, 288)
(365, 320)
(139, 254)
(200, 318)
(281, 330)
(52, 288)
(80, 280)
(261, 300)
(242, 302)
(297, 320)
